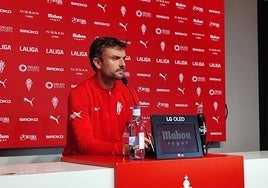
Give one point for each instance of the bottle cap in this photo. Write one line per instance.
(136, 111)
(200, 108)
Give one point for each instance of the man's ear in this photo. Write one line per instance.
(97, 62)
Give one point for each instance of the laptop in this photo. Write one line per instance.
(176, 136)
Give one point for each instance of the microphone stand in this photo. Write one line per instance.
(150, 151)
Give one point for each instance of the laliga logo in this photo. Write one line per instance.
(175, 118)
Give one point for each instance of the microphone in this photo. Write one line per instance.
(150, 151)
(125, 82)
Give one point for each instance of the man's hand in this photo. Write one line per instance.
(126, 150)
(126, 146)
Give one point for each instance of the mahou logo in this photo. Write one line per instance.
(79, 37)
(54, 17)
(4, 137)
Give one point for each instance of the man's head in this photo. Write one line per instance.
(99, 45)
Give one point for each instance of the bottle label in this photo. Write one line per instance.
(136, 112)
(141, 140)
(132, 141)
(137, 141)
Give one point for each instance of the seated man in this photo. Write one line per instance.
(99, 109)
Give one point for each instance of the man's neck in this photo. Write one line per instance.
(106, 83)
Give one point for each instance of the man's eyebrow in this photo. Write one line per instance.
(118, 57)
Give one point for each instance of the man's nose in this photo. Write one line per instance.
(122, 62)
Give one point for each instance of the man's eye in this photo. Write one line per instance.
(115, 58)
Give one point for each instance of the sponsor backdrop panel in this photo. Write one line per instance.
(175, 60)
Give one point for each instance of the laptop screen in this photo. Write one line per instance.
(176, 136)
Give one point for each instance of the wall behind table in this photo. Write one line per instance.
(242, 94)
(175, 52)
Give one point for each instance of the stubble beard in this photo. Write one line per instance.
(119, 74)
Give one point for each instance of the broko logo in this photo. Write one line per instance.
(5, 11)
(28, 119)
(60, 136)
(79, 4)
(5, 101)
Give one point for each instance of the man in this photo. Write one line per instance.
(100, 108)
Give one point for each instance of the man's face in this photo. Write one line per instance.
(113, 64)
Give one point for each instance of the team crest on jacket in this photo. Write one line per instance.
(119, 107)
(75, 115)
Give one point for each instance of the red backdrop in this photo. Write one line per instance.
(175, 60)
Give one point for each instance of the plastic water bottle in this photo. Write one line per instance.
(136, 135)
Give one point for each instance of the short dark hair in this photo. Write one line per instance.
(99, 44)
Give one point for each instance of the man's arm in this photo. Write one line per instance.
(82, 129)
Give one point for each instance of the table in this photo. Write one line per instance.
(213, 170)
